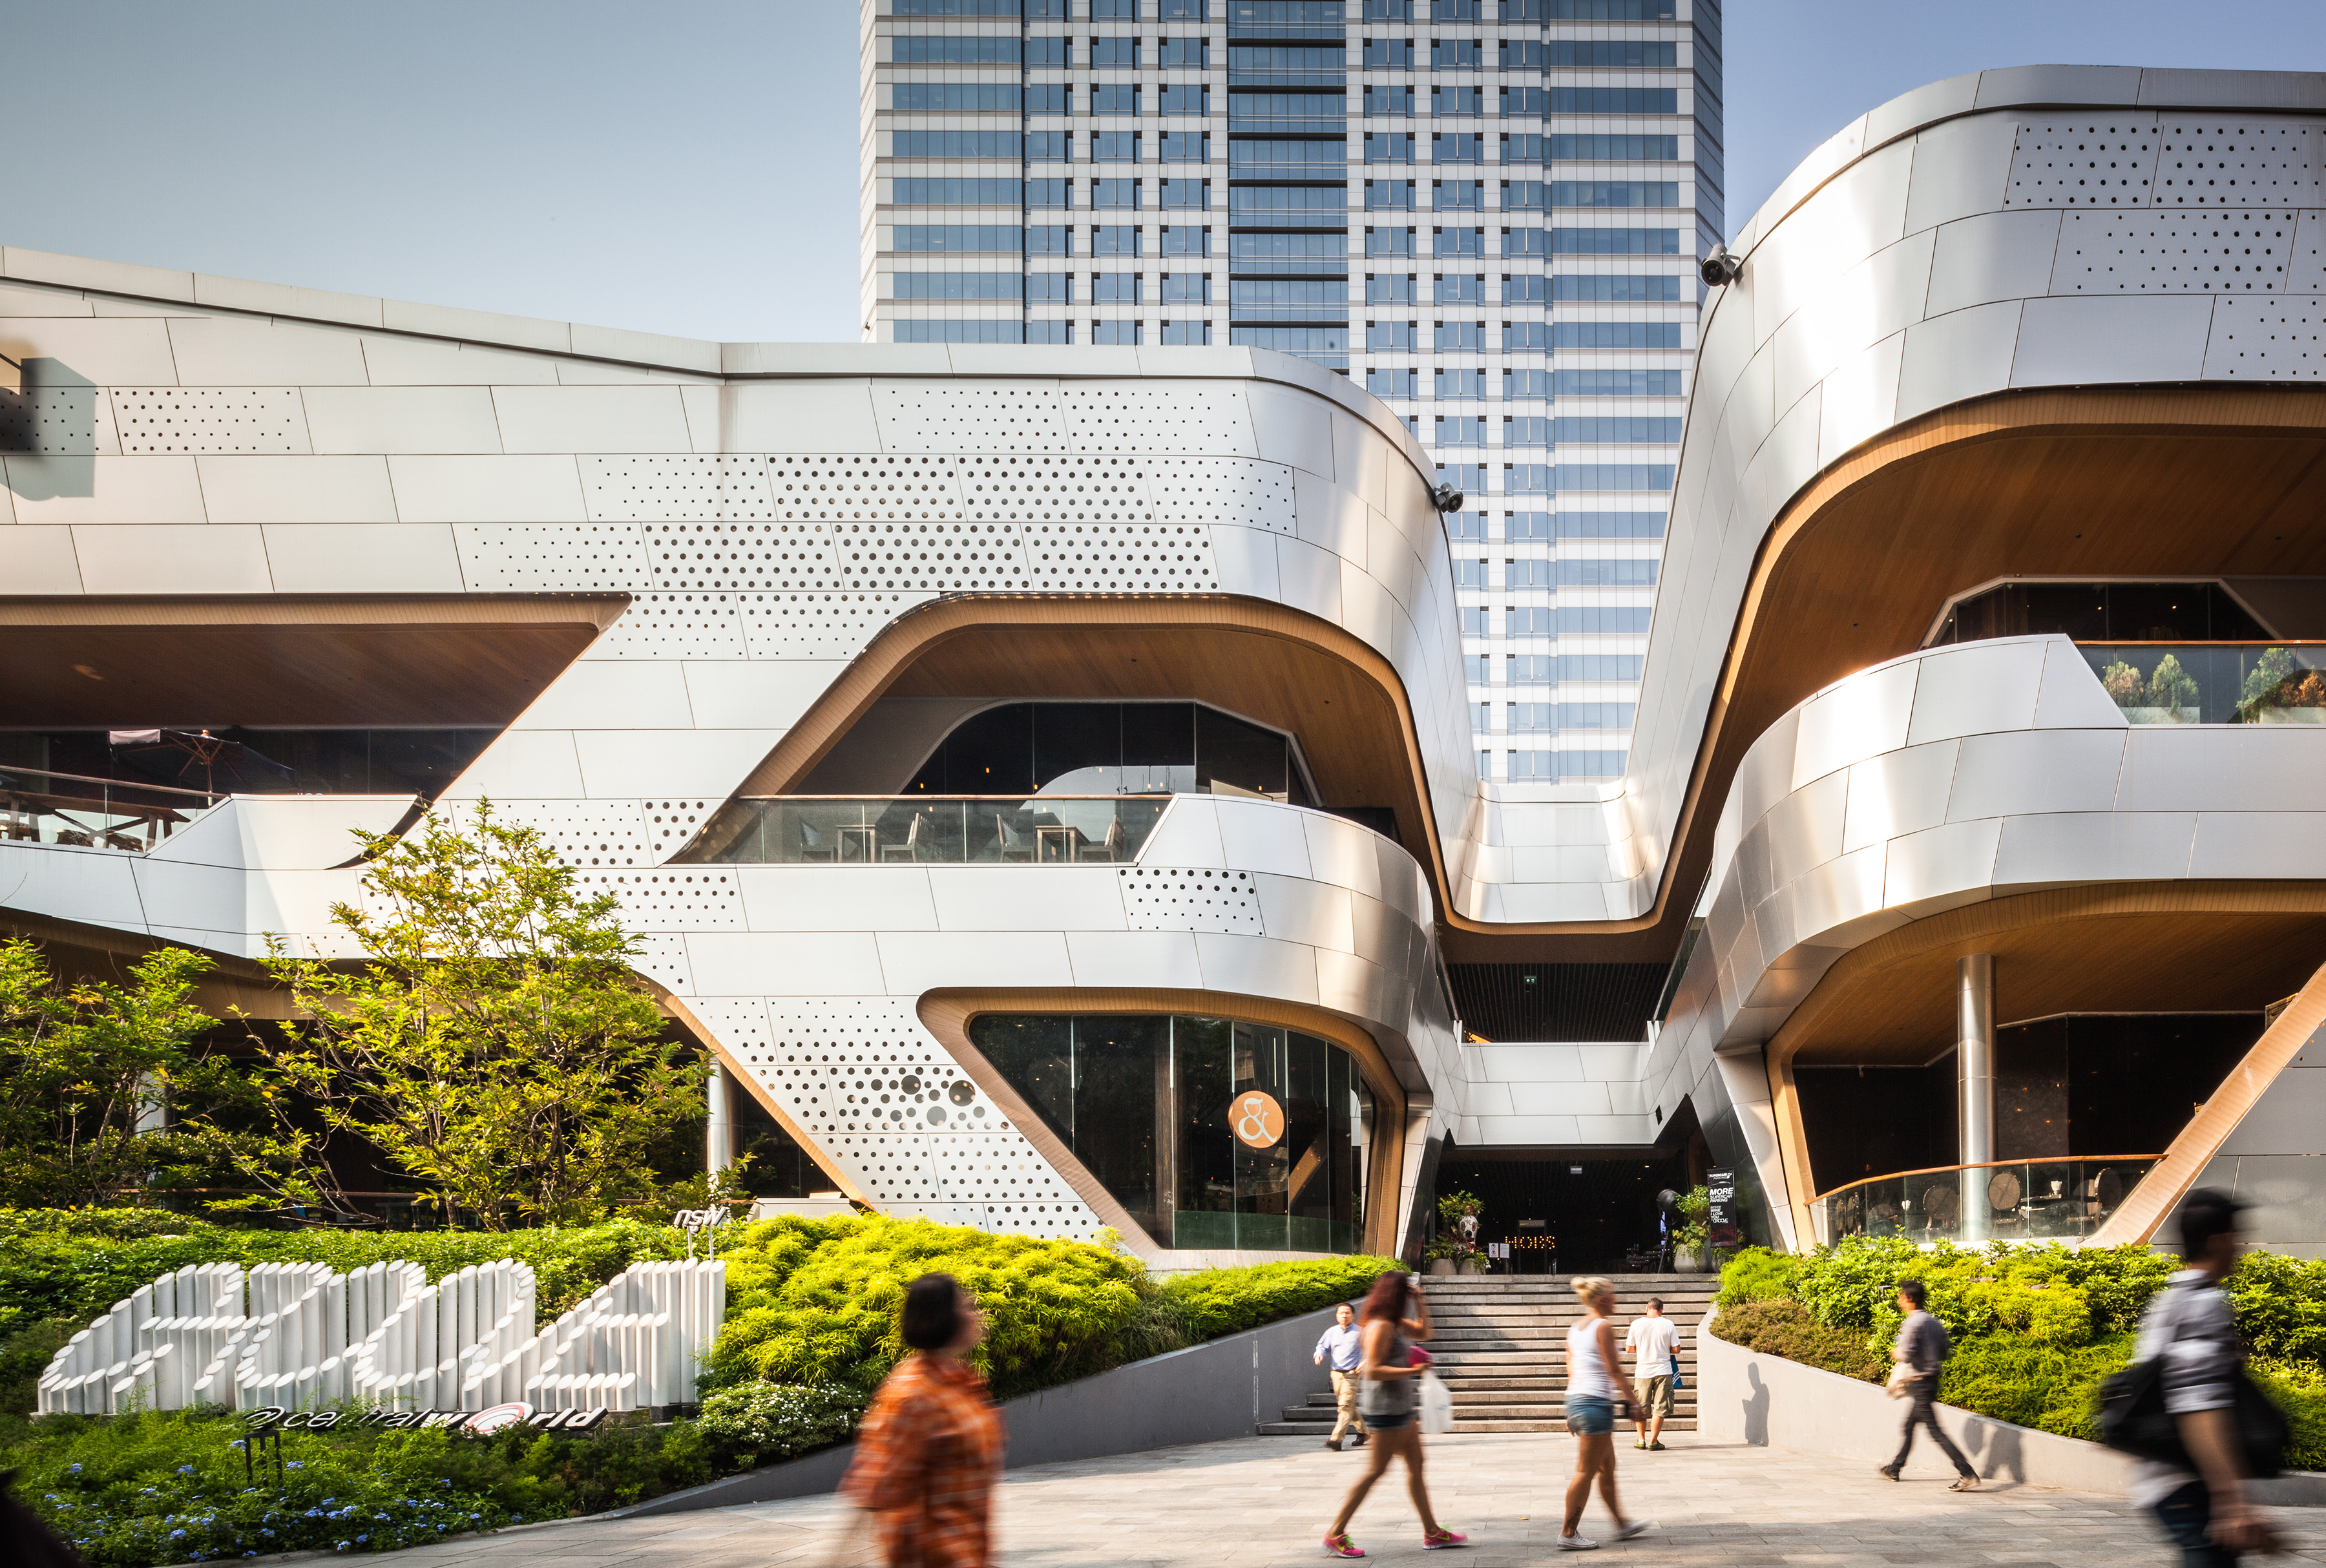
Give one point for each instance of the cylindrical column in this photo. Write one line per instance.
(1975, 1087)
(718, 1131)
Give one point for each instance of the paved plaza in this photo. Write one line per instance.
(1265, 1500)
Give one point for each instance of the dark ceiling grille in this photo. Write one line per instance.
(1610, 1002)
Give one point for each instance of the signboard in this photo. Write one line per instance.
(461, 1423)
(1258, 1119)
(1720, 1219)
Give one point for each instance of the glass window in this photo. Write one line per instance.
(1114, 239)
(1615, 289)
(954, 285)
(1051, 52)
(1123, 195)
(1389, 54)
(1120, 51)
(1390, 383)
(1114, 147)
(1114, 99)
(1109, 747)
(1396, 101)
(1049, 331)
(1186, 148)
(1196, 334)
(1050, 288)
(1191, 288)
(1183, 53)
(1041, 146)
(1183, 239)
(1215, 1135)
(1114, 289)
(920, 49)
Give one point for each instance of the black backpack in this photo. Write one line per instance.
(2133, 1419)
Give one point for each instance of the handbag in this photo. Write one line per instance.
(2133, 1419)
(1900, 1385)
(1436, 1405)
(1677, 1382)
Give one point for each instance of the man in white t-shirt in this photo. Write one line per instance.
(1653, 1345)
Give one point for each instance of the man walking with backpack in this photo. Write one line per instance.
(1922, 1349)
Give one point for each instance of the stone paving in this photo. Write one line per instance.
(1261, 1501)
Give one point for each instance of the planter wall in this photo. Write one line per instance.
(1224, 1388)
(1768, 1401)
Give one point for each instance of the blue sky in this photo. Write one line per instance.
(691, 167)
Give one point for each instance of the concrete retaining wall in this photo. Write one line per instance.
(1224, 1388)
(1744, 1397)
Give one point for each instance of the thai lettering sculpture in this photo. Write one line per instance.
(297, 1335)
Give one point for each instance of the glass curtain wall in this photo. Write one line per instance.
(1214, 1134)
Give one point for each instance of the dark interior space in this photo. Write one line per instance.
(1593, 1211)
(2104, 612)
(777, 1167)
(1609, 1002)
(233, 760)
(2074, 1086)
(1112, 749)
(1871, 1120)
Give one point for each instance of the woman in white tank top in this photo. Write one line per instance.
(1593, 1397)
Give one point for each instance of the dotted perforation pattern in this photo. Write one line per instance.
(2104, 159)
(572, 556)
(57, 420)
(2161, 252)
(662, 486)
(675, 625)
(671, 825)
(992, 416)
(1189, 898)
(857, 489)
(933, 556)
(1058, 489)
(210, 419)
(1191, 416)
(819, 626)
(662, 957)
(2278, 339)
(579, 833)
(696, 898)
(2216, 162)
(1121, 557)
(1244, 492)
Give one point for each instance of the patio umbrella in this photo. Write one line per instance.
(200, 749)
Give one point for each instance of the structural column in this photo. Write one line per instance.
(718, 1131)
(1975, 1087)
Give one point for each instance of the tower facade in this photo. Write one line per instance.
(1486, 212)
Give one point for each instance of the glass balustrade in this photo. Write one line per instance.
(38, 806)
(928, 829)
(2213, 682)
(2012, 1200)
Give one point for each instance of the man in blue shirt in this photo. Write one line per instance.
(1345, 1345)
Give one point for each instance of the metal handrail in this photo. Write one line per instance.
(204, 795)
(1982, 1166)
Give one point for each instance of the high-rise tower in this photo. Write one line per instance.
(1487, 211)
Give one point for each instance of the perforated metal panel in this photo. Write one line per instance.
(2276, 340)
(2174, 253)
(2106, 158)
(572, 556)
(210, 420)
(959, 556)
(580, 833)
(669, 487)
(1188, 416)
(1058, 489)
(1121, 557)
(689, 898)
(1237, 490)
(662, 957)
(59, 420)
(1189, 898)
(2305, 269)
(819, 626)
(675, 625)
(2228, 161)
(999, 416)
(670, 824)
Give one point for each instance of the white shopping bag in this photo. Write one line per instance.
(1436, 1405)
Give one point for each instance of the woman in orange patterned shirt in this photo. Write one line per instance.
(931, 1445)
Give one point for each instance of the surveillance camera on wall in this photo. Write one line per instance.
(1446, 498)
(1720, 268)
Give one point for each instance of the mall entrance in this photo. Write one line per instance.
(1576, 1211)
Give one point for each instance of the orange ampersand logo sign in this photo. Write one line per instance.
(1259, 1119)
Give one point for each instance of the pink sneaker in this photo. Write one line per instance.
(1340, 1545)
(1436, 1540)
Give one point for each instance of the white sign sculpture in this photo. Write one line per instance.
(298, 1336)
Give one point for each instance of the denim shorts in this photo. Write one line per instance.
(1388, 1423)
(1588, 1415)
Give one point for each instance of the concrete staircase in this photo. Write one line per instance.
(1501, 1345)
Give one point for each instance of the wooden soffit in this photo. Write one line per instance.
(2124, 482)
(289, 660)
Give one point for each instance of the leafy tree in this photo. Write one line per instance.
(492, 1039)
(96, 1070)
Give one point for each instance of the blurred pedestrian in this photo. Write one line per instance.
(1593, 1397)
(930, 1447)
(1922, 1347)
(2203, 1505)
(1346, 1346)
(1394, 1316)
(1652, 1342)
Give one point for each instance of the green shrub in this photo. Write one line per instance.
(2056, 1316)
(762, 1422)
(1228, 1300)
(2281, 1305)
(1785, 1328)
(2047, 1386)
(1757, 1274)
(2298, 1387)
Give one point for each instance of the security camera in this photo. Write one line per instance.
(1720, 268)
(1446, 498)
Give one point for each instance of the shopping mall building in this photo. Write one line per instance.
(1043, 777)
